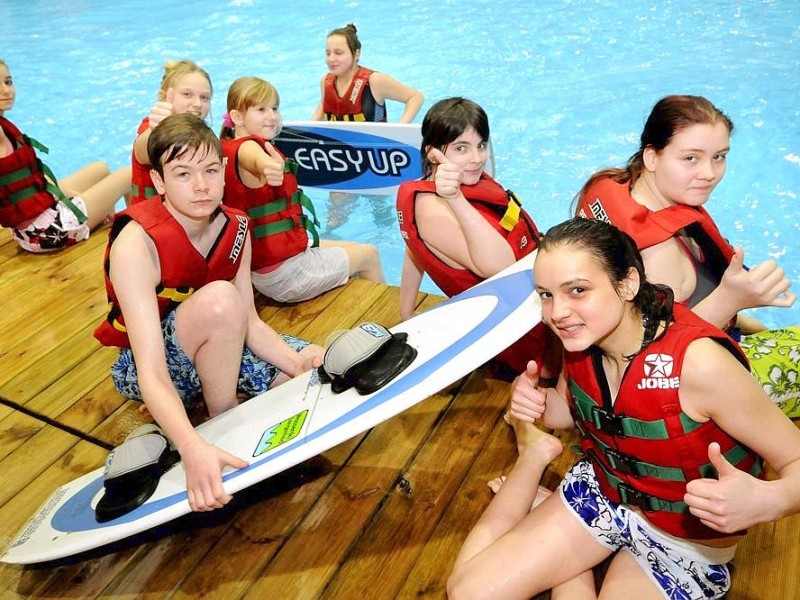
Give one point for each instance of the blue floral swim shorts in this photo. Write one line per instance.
(255, 374)
(681, 569)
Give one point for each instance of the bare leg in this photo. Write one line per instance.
(516, 552)
(211, 327)
(516, 495)
(579, 588)
(101, 197)
(626, 579)
(364, 260)
(81, 180)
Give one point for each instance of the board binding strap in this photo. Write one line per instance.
(366, 358)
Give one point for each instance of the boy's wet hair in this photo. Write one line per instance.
(178, 136)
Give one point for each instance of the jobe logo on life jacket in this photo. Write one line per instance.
(657, 373)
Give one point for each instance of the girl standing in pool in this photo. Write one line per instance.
(659, 198)
(671, 474)
(185, 87)
(287, 266)
(351, 92)
(461, 226)
(45, 214)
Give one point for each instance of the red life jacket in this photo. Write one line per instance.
(492, 202)
(609, 201)
(279, 229)
(24, 190)
(142, 187)
(499, 208)
(183, 269)
(356, 104)
(644, 448)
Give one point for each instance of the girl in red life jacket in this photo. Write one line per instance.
(667, 413)
(353, 93)
(287, 265)
(659, 199)
(45, 214)
(460, 225)
(185, 88)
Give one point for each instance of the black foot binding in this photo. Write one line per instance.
(133, 470)
(366, 357)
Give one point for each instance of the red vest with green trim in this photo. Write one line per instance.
(609, 201)
(143, 187)
(24, 193)
(350, 106)
(490, 199)
(279, 229)
(644, 448)
(183, 269)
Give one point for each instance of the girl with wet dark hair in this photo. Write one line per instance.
(671, 471)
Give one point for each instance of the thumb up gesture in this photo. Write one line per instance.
(733, 501)
(162, 109)
(527, 400)
(274, 165)
(446, 175)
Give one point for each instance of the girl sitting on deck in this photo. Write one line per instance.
(659, 198)
(671, 427)
(460, 225)
(287, 266)
(46, 214)
(185, 87)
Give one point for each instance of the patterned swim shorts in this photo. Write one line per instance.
(255, 374)
(54, 229)
(681, 569)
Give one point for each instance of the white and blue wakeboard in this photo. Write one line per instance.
(301, 418)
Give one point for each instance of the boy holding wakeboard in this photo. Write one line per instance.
(181, 304)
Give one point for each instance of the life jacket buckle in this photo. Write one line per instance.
(633, 497)
(622, 462)
(608, 422)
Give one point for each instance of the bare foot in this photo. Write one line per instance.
(143, 410)
(541, 492)
(532, 439)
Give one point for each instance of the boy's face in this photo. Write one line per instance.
(192, 184)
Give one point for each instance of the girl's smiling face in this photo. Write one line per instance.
(579, 301)
(468, 151)
(192, 94)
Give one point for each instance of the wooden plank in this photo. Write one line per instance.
(51, 271)
(405, 522)
(26, 372)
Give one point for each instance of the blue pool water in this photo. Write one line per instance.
(566, 84)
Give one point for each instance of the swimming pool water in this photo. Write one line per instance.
(567, 86)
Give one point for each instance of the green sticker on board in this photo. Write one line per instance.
(279, 434)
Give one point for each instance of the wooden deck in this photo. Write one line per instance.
(337, 526)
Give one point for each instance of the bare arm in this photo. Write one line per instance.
(319, 113)
(262, 339)
(409, 285)
(715, 386)
(384, 87)
(158, 113)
